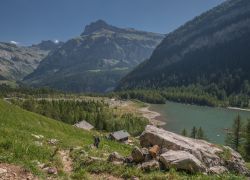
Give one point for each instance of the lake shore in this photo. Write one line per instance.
(154, 117)
(239, 109)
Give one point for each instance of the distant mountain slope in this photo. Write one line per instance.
(96, 60)
(18, 61)
(213, 48)
(48, 45)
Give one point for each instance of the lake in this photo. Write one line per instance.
(213, 121)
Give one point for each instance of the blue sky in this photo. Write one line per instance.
(30, 21)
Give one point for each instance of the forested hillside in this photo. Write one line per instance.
(211, 52)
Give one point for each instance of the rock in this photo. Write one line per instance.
(207, 153)
(144, 151)
(235, 163)
(52, 170)
(37, 136)
(137, 155)
(181, 160)
(147, 156)
(92, 158)
(217, 170)
(53, 141)
(150, 165)
(134, 178)
(3, 171)
(154, 151)
(116, 157)
(163, 150)
(128, 160)
(37, 143)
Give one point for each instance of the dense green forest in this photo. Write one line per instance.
(22, 91)
(209, 95)
(97, 113)
(209, 53)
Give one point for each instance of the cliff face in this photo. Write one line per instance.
(17, 62)
(96, 60)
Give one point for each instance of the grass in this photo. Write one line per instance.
(18, 146)
(248, 165)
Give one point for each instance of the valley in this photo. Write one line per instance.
(107, 101)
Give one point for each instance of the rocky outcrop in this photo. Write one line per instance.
(217, 170)
(18, 61)
(181, 160)
(181, 152)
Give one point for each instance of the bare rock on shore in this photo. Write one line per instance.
(208, 154)
(181, 160)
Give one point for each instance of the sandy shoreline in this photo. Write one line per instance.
(153, 116)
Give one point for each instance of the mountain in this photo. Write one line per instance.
(48, 45)
(96, 60)
(17, 61)
(212, 50)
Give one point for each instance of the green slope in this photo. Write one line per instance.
(17, 145)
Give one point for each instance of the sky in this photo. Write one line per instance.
(28, 22)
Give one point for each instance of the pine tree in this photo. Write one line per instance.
(234, 137)
(200, 133)
(247, 143)
(193, 133)
(184, 132)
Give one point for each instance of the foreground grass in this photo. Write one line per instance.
(18, 146)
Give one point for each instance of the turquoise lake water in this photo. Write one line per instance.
(214, 121)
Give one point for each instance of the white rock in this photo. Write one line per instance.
(181, 160)
(207, 153)
(217, 170)
(3, 171)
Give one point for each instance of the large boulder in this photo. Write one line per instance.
(181, 160)
(207, 153)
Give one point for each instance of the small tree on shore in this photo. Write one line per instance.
(184, 132)
(234, 137)
(200, 134)
(247, 142)
(193, 132)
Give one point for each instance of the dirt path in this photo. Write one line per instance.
(66, 160)
(13, 172)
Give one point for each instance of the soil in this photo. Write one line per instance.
(14, 172)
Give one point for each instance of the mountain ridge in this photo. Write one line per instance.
(102, 53)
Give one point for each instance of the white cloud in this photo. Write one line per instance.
(14, 42)
(56, 41)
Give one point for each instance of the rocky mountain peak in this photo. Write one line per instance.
(97, 26)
